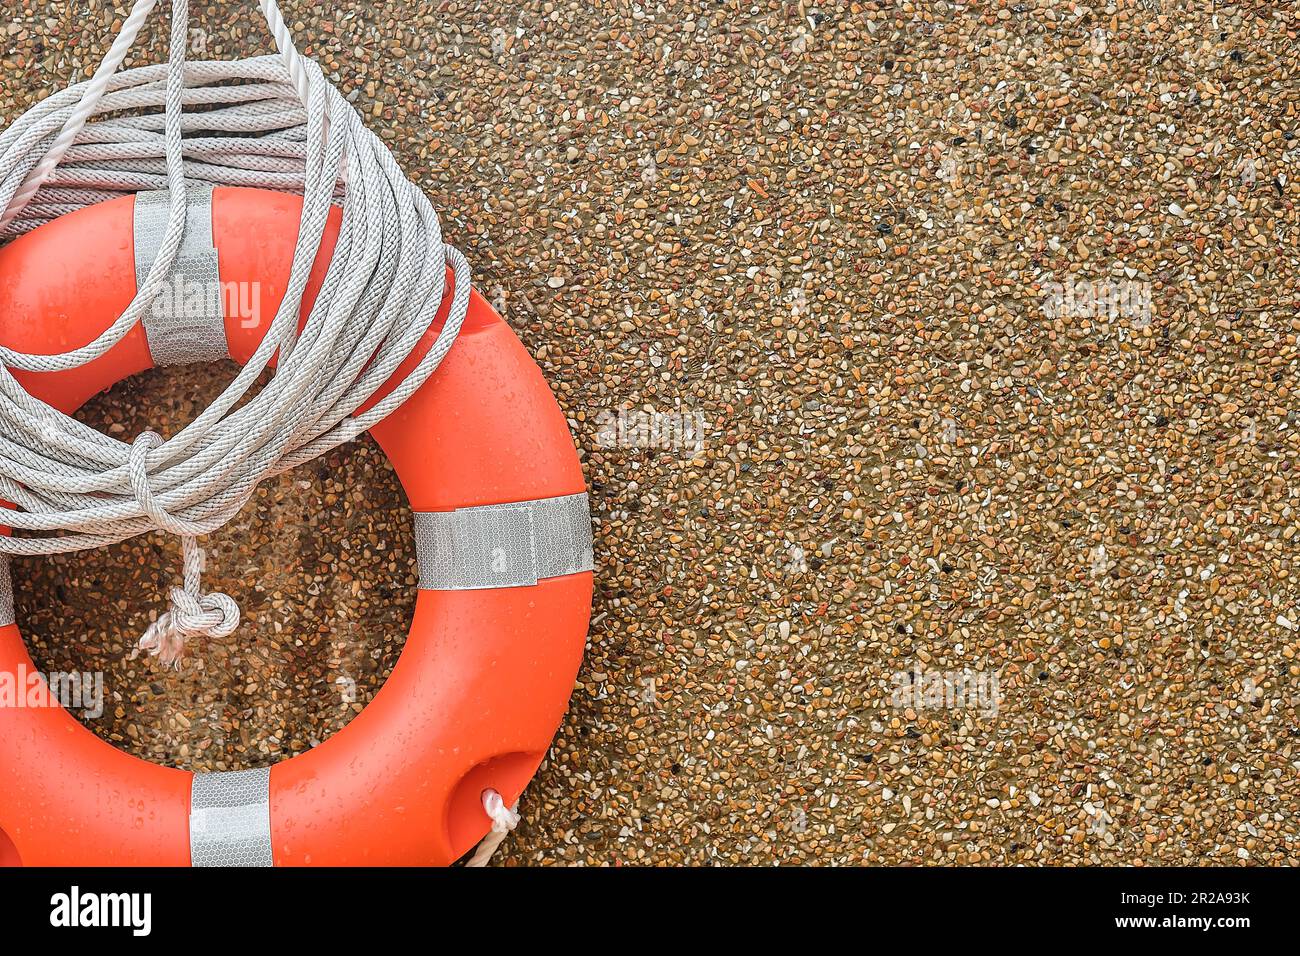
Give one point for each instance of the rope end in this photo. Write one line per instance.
(164, 641)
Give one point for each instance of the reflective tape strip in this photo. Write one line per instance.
(230, 819)
(186, 321)
(503, 546)
(6, 592)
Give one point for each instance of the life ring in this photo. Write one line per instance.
(503, 536)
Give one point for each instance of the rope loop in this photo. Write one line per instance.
(144, 443)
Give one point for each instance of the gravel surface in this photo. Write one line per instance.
(970, 335)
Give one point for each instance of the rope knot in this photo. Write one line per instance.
(192, 613)
(215, 613)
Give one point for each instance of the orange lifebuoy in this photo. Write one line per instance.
(483, 453)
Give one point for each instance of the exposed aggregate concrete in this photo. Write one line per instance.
(829, 234)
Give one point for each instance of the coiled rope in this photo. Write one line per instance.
(272, 122)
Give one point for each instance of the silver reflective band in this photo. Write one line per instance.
(6, 593)
(503, 546)
(230, 819)
(186, 322)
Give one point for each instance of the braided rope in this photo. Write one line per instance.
(271, 122)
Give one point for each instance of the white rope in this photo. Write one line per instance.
(85, 109)
(270, 122)
(504, 820)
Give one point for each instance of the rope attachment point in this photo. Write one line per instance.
(504, 820)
